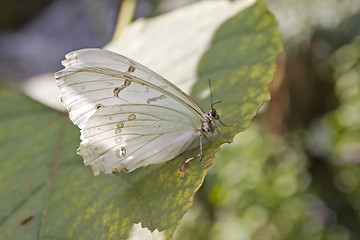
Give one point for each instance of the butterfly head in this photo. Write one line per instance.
(213, 112)
(208, 124)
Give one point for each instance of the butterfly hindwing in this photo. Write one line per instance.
(131, 136)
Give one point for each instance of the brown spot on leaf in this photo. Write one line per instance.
(209, 165)
(182, 170)
(26, 222)
(184, 167)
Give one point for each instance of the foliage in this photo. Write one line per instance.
(52, 195)
(300, 185)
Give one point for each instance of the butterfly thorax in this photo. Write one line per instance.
(208, 125)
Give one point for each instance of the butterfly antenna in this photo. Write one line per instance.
(211, 97)
(218, 118)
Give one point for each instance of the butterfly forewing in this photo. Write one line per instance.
(94, 76)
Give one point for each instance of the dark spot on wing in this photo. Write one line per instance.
(155, 99)
(120, 152)
(117, 90)
(118, 140)
(131, 69)
(131, 117)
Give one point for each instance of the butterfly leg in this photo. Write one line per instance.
(201, 153)
(186, 165)
(221, 136)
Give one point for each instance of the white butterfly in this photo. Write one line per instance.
(129, 116)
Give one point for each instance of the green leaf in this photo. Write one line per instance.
(240, 65)
(47, 192)
(28, 140)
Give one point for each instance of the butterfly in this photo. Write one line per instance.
(128, 115)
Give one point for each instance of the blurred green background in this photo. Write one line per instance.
(294, 174)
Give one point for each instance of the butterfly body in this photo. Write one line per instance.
(129, 116)
(208, 125)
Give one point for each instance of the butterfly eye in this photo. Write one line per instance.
(213, 113)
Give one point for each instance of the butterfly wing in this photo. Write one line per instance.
(96, 77)
(129, 116)
(126, 137)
